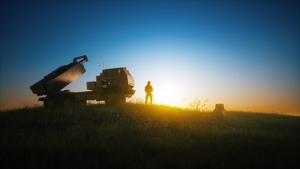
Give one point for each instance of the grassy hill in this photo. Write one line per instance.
(140, 136)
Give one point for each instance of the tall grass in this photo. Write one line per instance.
(145, 136)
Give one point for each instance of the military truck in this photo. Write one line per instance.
(111, 86)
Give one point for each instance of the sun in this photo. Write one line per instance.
(167, 94)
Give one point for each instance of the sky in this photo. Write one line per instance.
(244, 54)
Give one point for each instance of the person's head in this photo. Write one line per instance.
(148, 82)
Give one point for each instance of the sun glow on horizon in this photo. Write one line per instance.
(167, 94)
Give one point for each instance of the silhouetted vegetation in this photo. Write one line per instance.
(146, 136)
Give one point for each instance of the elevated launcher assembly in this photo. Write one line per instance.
(112, 85)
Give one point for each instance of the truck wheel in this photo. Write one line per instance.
(113, 99)
(68, 102)
(122, 99)
(110, 98)
(81, 102)
(50, 103)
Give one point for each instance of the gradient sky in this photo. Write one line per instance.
(244, 54)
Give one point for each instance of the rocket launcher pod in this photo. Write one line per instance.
(60, 77)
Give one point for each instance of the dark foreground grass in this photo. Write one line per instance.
(139, 136)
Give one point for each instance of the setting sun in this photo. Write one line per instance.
(168, 94)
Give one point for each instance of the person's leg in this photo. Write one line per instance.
(146, 99)
(151, 98)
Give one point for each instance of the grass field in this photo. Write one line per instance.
(140, 136)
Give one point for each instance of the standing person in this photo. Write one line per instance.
(148, 90)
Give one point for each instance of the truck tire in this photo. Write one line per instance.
(113, 98)
(81, 102)
(122, 99)
(110, 98)
(50, 103)
(68, 102)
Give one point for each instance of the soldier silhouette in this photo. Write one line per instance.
(148, 90)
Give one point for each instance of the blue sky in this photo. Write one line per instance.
(245, 54)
